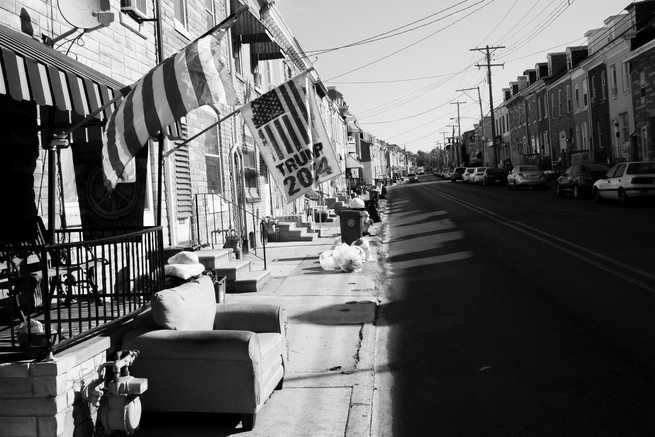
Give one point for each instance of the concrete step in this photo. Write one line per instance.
(291, 232)
(232, 269)
(249, 282)
(210, 258)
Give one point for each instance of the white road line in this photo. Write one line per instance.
(552, 240)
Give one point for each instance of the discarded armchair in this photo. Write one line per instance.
(200, 356)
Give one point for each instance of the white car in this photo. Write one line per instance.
(625, 181)
(476, 177)
(466, 176)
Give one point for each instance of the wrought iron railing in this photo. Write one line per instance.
(216, 218)
(58, 295)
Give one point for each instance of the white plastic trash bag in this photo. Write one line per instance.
(327, 261)
(348, 258)
(363, 244)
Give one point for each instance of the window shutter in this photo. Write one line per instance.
(183, 192)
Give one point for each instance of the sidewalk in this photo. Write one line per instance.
(329, 382)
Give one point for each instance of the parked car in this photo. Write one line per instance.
(579, 178)
(476, 176)
(526, 176)
(493, 176)
(412, 177)
(456, 174)
(626, 181)
(466, 176)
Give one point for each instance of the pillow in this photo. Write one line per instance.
(187, 307)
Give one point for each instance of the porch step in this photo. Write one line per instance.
(253, 281)
(210, 258)
(288, 231)
(232, 269)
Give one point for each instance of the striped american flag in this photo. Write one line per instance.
(194, 77)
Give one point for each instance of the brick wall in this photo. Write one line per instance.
(43, 398)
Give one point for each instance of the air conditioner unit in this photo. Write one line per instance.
(130, 7)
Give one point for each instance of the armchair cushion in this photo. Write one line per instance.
(186, 307)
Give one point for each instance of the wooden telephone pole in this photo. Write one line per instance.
(459, 133)
(491, 99)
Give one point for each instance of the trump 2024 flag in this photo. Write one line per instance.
(194, 77)
(292, 138)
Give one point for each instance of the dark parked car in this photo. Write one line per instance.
(526, 176)
(494, 176)
(579, 178)
(456, 174)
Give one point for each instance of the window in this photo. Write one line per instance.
(142, 7)
(209, 13)
(179, 12)
(552, 104)
(214, 174)
(602, 85)
(568, 99)
(625, 128)
(613, 81)
(585, 97)
(626, 77)
(559, 102)
(256, 75)
(236, 54)
(528, 112)
(539, 109)
(577, 97)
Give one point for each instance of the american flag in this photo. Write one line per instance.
(280, 119)
(194, 77)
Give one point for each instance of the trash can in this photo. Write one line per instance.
(352, 224)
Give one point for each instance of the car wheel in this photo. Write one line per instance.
(623, 198)
(509, 186)
(576, 192)
(516, 187)
(597, 196)
(558, 191)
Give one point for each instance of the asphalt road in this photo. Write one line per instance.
(515, 314)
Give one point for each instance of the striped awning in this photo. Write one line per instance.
(33, 71)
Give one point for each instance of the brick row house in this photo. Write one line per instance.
(59, 62)
(586, 103)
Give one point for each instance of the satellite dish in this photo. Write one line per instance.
(84, 14)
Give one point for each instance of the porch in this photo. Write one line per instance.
(55, 296)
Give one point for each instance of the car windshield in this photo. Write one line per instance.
(495, 170)
(530, 168)
(411, 175)
(641, 168)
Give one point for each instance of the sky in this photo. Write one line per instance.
(401, 65)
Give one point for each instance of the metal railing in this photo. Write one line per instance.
(61, 294)
(217, 217)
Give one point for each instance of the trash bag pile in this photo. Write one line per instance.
(346, 258)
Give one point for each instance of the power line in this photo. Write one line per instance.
(410, 45)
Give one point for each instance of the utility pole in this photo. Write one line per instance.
(459, 131)
(491, 99)
(480, 140)
(444, 147)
